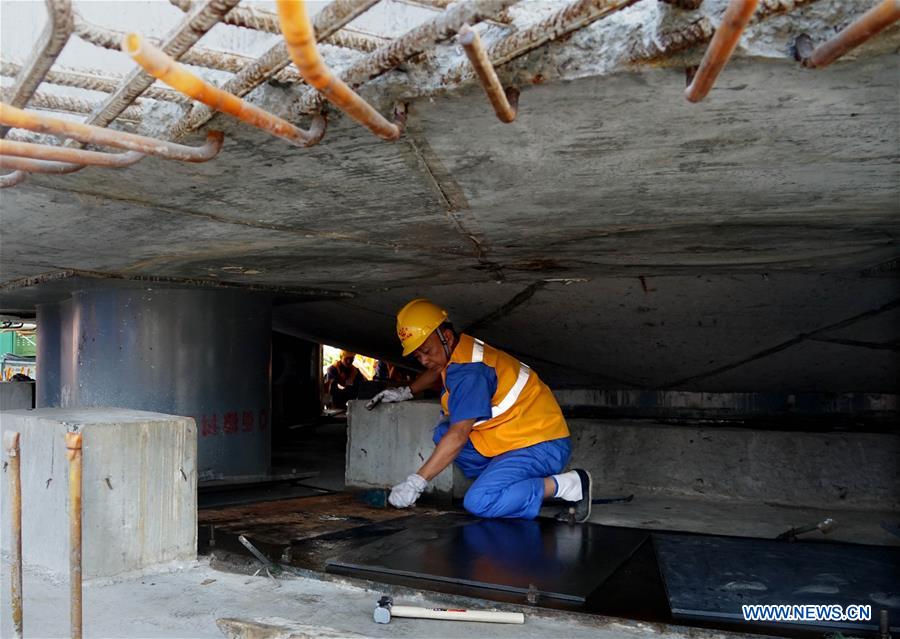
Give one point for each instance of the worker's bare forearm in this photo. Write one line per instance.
(447, 449)
(424, 381)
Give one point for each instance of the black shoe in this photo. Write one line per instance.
(579, 511)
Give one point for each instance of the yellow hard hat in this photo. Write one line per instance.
(416, 321)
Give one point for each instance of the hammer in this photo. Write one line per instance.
(385, 610)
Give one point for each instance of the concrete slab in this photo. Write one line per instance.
(139, 488)
(16, 395)
(188, 602)
(385, 445)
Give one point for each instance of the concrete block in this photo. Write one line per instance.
(793, 468)
(16, 395)
(385, 445)
(139, 488)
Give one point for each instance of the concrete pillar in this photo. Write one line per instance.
(205, 354)
(139, 489)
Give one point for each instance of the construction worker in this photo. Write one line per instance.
(342, 380)
(501, 423)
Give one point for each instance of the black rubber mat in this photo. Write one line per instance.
(711, 578)
(549, 558)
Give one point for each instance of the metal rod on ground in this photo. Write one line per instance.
(385, 610)
(273, 62)
(74, 454)
(164, 68)
(723, 44)
(66, 154)
(300, 38)
(11, 179)
(11, 116)
(11, 444)
(60, 22)
(506, 102)
(872, 22)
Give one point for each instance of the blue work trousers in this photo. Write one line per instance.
(511, 484)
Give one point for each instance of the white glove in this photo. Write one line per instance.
(390, 395)
(405, 494)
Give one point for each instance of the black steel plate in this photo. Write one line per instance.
(712, 577)
(562, 562)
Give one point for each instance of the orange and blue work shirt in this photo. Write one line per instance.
(511, 406)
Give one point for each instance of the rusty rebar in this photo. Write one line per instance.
(68, 154)
(11, 444)
(56, 33)
(267, 22)
(505, 102)
(869, 24)
(673, 41)
(11, 179)
(334, 16)
(164, 68)
(200, 20)
(411, 44)
(572, 17)
(722, 45)
(37, 166)
(88, 134)
(299, 36)
(92, 80)
(52, 40)
(68, 104)
(74, 454)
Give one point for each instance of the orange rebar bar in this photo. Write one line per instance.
(73, 452)
(89, 134)
(11, 179)
(162, 67)
(873, 21)
(300, 39)
(37, 166)
(506, 102)
(68, 154)
(11, 444)
(723, 44)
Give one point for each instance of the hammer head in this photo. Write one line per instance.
(383, 609)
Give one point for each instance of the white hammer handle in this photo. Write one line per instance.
(457, 614)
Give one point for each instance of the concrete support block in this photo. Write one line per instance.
(139, 488)
(16, 395)
(812, 469)
(385, 445)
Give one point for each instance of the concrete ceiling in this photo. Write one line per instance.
(613, 235)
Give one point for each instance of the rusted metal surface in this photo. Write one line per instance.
(769, 8)
(92, 80)
(67, 104)
(38, 166)
(67, 154)
(872, 22)
(505, 103)
(164, 68)
(267, 21)
(670, 42)
(689, 5)
(300, 39)
(12, 179)
(12, 116)
(203, 18)
(571, 17)
(334, 16)
(728, 34)
(74, 455)
(59, 27)
(411, 44)
(11, 445)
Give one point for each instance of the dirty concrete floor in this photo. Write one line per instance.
(186, 603)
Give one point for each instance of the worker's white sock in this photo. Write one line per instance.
(568, 486)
